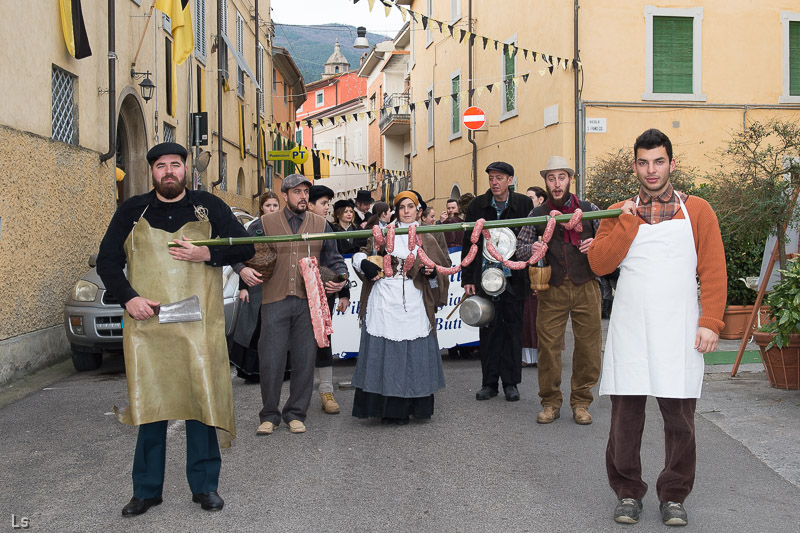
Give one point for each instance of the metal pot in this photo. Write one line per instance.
(493, 281)
(477, 311)
(504, 241)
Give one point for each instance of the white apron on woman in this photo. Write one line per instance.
(653, 328)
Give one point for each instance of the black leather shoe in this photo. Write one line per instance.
(209, 501)
(486, 392)
(511, 392)
(136, 506)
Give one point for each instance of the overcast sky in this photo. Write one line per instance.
(307, 12)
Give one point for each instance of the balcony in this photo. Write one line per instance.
(392, 121)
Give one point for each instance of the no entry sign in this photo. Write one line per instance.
(474, 118)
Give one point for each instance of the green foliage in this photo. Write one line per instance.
(612, 179)
(784, 306)
(743, 259)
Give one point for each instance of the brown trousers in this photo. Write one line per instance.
(556, 305)
(623, 461)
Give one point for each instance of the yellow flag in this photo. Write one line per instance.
(181, 19)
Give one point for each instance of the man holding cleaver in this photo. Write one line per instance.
(176, 362)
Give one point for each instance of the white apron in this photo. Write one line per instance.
(651, 335)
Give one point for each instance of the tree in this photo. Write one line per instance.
(613, 180)
(755, 182)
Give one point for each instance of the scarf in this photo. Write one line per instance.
(574, 235)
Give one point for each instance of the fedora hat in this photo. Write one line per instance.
(556, 162)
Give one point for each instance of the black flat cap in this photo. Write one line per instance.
(501, 166)
(344, 203)
(166, 149)
(319, 191)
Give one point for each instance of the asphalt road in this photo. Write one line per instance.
(476, 466)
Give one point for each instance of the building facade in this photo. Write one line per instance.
(68, 124)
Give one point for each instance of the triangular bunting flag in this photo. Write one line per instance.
(514, 51)
(525, 78)
(397, 110)
(463, 34)
(437, 99)
(480, 90)
(496, 42)
(319, 122)
(355, 116)
(308, 123)
(516, 82)
(450, 28)
(427, 104)
(388, 8)
(412, 106)
(439, 22)
(525, 53)
(550, 68)
(371, 4)
(542, 71)
(413, 16)
(424, 22)
(565, 65)
(402, 12)
(333, 121)
(533, 55)
(490, 87)
(472, 39)
(485, 42)
(369, 115)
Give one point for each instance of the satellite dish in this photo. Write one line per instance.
(202, 160)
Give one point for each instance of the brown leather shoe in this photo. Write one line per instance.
(295, 426)
(548, 414)
(581, 416)
(266, 428)
(329, 405)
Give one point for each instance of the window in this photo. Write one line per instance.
(320, 98)
(168, 79)
(455, 11)
(431, 107)
(357, 148)
(169, 133)
(414, 132)
(64, 108)
(240, 181)
(509, 93)
(339, 148)
(223, 164)
(200, 30)
(260, 76)
(673, 54)
(285, 94)
(240, 48)
(298, 136)
(455, 106)
(223, 47)
(274, 81)
(790, 23)
(428, 31)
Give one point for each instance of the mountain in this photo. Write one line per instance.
(311, 46)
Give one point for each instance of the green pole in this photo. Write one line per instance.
(437, 228)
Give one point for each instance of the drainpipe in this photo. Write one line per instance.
(220, 45)
(112, 92)
(471, 133)
(259, 186)
(580, 186)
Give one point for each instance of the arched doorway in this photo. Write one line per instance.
(455, 192)
(131, 146)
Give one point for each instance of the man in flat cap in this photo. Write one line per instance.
(176, 371)
(319, 200)
(573, 291)
(285, 315)
(501, 340)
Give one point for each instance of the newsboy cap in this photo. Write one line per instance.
(293, 180)
(501, 166)
(557, 162)
(319, 191)
(166, 149)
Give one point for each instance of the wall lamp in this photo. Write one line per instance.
(146, 86)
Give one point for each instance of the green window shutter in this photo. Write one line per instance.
(289, 164)
(672, 54)
(508, 87)
(794, 58)
(456, 125)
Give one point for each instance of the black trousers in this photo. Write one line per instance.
(501, 343)
(203, 459)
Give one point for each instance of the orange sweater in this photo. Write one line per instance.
(614, 238)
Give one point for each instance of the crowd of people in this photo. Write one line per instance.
(663, 239)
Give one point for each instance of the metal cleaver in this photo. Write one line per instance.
(187, 310)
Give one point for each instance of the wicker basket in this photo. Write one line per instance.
(263, 261)
(540, 277)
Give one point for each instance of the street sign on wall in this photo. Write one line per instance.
(474, 118)
(297, 155)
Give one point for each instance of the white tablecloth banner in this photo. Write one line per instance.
(452, 332)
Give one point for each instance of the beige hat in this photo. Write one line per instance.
(556, 162)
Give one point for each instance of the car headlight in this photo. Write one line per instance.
(84, 291)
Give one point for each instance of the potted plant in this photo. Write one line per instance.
(743, 260)
(779, 339)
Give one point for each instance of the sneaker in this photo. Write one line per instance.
(628, 510)
(673, 514)
(329, 404)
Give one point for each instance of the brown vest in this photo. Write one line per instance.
(286, 279)
(564, 258)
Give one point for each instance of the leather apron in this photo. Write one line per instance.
(651, 335)
(176, 371)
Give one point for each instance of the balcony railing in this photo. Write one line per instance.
(394, 111)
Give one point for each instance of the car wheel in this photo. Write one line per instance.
(85, 359)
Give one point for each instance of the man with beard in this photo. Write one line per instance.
(573, 292)
(663, 241)
(175, 371)
(285, 315)
(501, 340)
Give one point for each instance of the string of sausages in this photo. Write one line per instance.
(539, 250)
(317, 301)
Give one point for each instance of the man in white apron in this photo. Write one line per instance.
(175, 371)
(662, 242)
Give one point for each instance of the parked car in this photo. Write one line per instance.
(93, 316)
